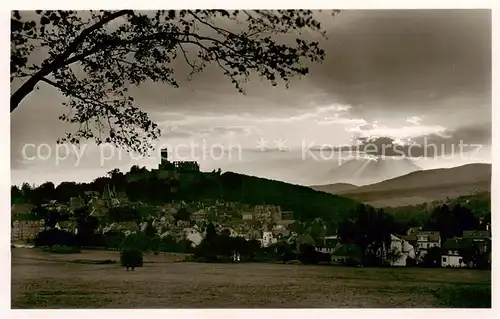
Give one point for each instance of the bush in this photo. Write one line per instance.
(131, 258)
(432, 259)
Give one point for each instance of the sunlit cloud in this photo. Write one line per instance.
(414, 120)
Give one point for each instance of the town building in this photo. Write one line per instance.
(425, 241)
(194, 235)
(402, 250)
(480, 238)
(23, 230)
(268, 239)
(473, 241)
(452, 252)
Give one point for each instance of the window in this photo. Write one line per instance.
(444, 259)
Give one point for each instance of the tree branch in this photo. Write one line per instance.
(58, 62)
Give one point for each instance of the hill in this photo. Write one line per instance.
(305, 202)
(153, 189)
(423, 186)
(368, 170)
(478, 203)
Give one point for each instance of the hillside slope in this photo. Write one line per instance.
(364, 171)
(424, 186)
(334, 188)
(305, 202)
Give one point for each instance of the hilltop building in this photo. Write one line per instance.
(177, 166)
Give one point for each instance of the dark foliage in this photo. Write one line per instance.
(418, 215)
(369, 229)
(131, 258)
(221, 247)
(432, 258)
(452, 221)
(54, 237)
(309, 255)
(285, 252)
(113, 239)
(170, 244)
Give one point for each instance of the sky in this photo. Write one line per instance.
(411, 75)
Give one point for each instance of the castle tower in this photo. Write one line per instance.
(164, 156)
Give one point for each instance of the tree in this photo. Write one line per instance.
(94, 57)
(182, 214)
(43, 193)
(26, 190)
(393, 256)
(369, 229)
(464, 219)
(432, 258)
(211, 232)
(451, 222)
(131, 258)
(16, 195)
(66, 190)
(42, 212)
(150, 230)
(317, 230)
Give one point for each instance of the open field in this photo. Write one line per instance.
(43, 280)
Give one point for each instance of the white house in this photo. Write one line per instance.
(193, 235)
(268, 239)
(451, 256)
(403, 249)
(425, 241)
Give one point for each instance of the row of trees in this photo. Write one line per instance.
(369, 229)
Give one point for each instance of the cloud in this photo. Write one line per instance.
(381, 68)
(414, 120)
(396, 131)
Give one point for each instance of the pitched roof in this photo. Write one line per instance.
(432, 235)
(410, 238)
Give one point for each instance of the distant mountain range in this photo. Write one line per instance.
(369, 170)
(418, 186)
